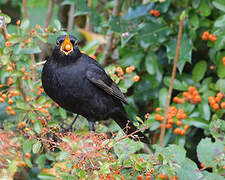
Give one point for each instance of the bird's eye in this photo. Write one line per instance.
(57, 43)
(74, 42)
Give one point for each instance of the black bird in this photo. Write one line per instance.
(80, 85)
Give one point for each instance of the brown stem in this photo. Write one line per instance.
(71, 17)
(47, 22)
(49, 13)
(108, 48)
(3, 27)
(25, 9)
(172, 80)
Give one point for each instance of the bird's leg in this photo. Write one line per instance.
(91, 126)
(69, 128)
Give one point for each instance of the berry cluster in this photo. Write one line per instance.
(215, 102)
(207, 36)
(174, 116)
(192, 96)
(155, 13)
(128, 70)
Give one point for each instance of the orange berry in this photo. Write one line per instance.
(23, 69)
(185, 94)
(139, 177)
(205, 35)
(157, 109)
(177, 131)
(161, 176)
(174, 178)
(2, 100)
(119, 70)
(219, 95)
(186, 127)
(27, 155)
(211, 67)
(8, 43)
(9, 68)
(182, 132)
(202, 165)
(213, 38)
(152, 171)
(136, 78)
(156, 13)
(4, 96)
(158, 117)
(191, 89)
(148, 177)
(210, 98)
(175, 99)
(179, 123)
(8, 36)
(9, 108)
(132, 68)
(12, 113)
(10, 81)
(197, 99)
(222, 105)
(216, 107)
(10, 101)
(170, 121)
(18, 22)
(180, 101)
(128, 70)
(168, 126)
(37, 26)
(218, 99)
(151, 12)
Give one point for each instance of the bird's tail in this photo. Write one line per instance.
(132, 131)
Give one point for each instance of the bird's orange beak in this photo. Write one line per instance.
(66, 46)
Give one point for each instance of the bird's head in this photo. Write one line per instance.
(66, 45)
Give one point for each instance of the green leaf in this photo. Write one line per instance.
(220, 21)
(31, 50)
(151, 63)
(220, 85)
(28, 162)
(205, 110)
(24, 26)
(198, 122)
(62, 113)
(213, 176)
(27, 146)
(41, 100)
(105, 168)
(62, 156)
(177, 152)
(57, 24)
(208, 151)
(205, 8)
(6, 18)
(219, 4)
(185, 51)
(36, 147)
(163, 93)
(23, 106)
(38, 127)
(46, 176)
(188, 170)
(41, 161)
(199, 71)
(194, 20)
(219, 64)
(177, 84)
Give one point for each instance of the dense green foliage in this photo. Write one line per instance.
(141, 61)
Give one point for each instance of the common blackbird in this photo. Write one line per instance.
(80, 85)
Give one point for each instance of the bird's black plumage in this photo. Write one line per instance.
(80, 85)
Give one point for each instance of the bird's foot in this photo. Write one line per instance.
(70, 127)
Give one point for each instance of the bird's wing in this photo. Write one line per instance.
(98, 76)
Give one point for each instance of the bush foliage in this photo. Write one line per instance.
(141, 59)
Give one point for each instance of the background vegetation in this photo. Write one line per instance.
(135, 40)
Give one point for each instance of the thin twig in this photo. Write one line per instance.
(108, 47)
(47, 22)
(3, 27)
(49, 13)
(172, 80)
(71, 17)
